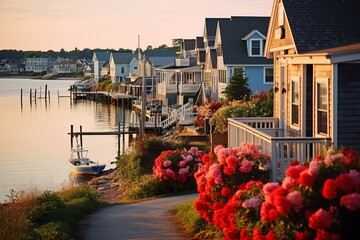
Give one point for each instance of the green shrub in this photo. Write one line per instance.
(48, 207)
(50, 231)
(147, 186)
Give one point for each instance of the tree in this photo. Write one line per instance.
(238, 87)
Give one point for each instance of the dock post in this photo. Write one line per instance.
(35, 94)
(119, 140)
(81, 140)
(30, 95)
(123, 119)
(71, 135)
(21, 98)
(45, 91)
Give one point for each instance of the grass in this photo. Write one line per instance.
(187, 216)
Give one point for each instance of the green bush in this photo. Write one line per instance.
(147, 186)
(48, 207)
(50, 231)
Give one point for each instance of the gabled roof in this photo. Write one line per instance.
(323, 24)
(160, 53)
(189, 44)
(102, 56)
(210, 26)
(123, 57)
(199, 42)
(233, 31)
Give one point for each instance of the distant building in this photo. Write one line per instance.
(99, 58)
(65, 66)
(39, 64)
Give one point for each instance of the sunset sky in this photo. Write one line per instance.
(52, 25)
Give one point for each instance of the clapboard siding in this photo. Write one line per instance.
(349, 105)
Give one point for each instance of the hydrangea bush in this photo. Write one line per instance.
(224, 170)
(318, 201)
(177, 167)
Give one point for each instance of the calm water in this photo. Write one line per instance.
(34, 140)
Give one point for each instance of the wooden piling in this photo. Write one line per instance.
(119, 140)
(123, 119)
(81, 140)
(72, 136)
(21, 98)
(45, 91)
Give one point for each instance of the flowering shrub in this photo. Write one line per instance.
(318, 201)
(207, 110)
(259, 105)
(224, 170)
(177, 166)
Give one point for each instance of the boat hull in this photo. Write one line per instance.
(87, 169)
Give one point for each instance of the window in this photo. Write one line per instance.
(122, 70)
(269, 75)
(295, 101)
(321, 105)
(256, 48)
(281, 15)
(222, 76)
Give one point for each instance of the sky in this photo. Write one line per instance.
(52, 24)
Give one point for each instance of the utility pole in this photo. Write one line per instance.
(143, 97)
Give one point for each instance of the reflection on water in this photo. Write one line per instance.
(77, 179)
(34, 138)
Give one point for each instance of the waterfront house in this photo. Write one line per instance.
(98, 59)
(239, 42)
(153, 59)
(122, 65)
(315, 46)
(65, 66)
(179, 81)
(39, 64)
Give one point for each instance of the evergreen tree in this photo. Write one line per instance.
(238, 87)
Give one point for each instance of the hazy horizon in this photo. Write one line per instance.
(40, 25)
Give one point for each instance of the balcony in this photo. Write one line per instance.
(282, 150)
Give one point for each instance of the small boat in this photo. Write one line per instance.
(84, 85)
(82, 165)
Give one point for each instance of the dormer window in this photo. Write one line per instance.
(256, 48)
(255, 43)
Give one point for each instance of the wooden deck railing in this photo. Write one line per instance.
(282, 150)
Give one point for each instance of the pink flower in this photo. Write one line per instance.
(214, 173)
(288, 183)
(182, 164)
(268, 188)
(321, 219)
(253, 202)
(296, 199)
(167, 163)
(246, 166)
(314, 168)
(351, 201)
(184, 170)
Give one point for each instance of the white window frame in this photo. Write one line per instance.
(295, 80)
(265, 82)
(324, 81)
(260, 40)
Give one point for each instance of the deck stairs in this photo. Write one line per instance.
(174, 116)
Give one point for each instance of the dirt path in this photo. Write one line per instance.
(145, 220)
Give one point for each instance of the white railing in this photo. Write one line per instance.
(176, 115)
(282, 150)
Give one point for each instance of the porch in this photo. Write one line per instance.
(282, 150)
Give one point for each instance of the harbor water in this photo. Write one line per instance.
(34, 134)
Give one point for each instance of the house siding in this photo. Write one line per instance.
(255, 77)
(294, 70)
(348, 105)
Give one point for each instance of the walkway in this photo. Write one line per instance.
(144, 220)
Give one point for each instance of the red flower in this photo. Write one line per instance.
(303, 235)
(329, 190)
(351, 201)
(321, 219)
(225, 191)
(305, 179)
(345, 182)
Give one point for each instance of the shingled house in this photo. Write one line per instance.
(315, 46)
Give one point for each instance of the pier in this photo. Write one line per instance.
(119, 133)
